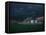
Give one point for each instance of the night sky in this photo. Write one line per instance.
(21, 11)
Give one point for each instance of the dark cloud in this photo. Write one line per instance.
(25, 9)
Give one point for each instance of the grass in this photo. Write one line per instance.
(25, 27)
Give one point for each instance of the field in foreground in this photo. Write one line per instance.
(25, 27)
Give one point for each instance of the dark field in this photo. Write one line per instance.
(26, 27)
